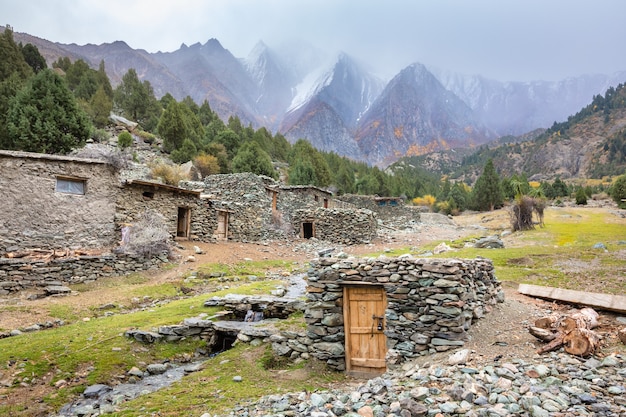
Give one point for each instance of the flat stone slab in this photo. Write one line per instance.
(57, 289)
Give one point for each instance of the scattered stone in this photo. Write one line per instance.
(441, 248)
(237, 378)
(96, 390)
(197, 250)
(57, 290)
(157, 368)
(459, 357)
(489, 242)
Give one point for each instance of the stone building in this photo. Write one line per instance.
(52, 201)
(63, 202)
(253, 208)
(186, 214)
(367, 315)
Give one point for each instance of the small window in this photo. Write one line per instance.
(70, 186)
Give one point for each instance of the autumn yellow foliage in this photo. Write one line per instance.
(427, 200)
(206, 164)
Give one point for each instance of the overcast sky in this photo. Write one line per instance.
(508, 40)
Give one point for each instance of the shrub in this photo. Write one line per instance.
(428, 200)
(168, 174)
(146, 136)
(124, 140)
(206, 164)
(100, 135)
(149, 236)
(618, 191)
(581, 197)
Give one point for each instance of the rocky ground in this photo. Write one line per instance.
(500, 375)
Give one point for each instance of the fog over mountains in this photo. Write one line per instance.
(337, 104)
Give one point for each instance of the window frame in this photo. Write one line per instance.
(70, 183)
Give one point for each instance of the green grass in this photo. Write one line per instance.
(245, 268)
(213, 390)
(93, 351)
(560, 254)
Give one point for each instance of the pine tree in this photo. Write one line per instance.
(487, 193)
(45, 117)
(251, 158)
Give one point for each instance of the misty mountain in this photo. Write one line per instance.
(327, 109)
(336, 104)
(414, 115)
(514, 108)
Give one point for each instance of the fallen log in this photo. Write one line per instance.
(587, 318)
(545, 335)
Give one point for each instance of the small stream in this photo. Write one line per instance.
(103, 399)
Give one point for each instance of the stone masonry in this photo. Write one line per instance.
(20, 274)
(431, 303)
(36, 215)
(136, 197)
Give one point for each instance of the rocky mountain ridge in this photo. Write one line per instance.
(337, 104)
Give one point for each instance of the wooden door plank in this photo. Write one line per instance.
(602, 301)
(369, 362)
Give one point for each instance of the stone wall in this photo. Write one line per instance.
(35, 215)
(431, 303)
(20, 274)
(132, 203)
(392, 212)
(345, 226)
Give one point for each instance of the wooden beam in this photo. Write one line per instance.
(602, 301)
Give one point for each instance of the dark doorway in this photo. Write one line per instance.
(308, 230)
(184, 222)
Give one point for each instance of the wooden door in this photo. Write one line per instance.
(222, 225)
(364, 322)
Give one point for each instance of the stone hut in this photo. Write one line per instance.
(187, 216)
(56, 202)
(366, 315)
(338, 225)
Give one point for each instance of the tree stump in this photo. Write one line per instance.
(622, 335)
(573, 332)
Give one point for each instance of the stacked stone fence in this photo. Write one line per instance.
(431, 303)
(18, 274)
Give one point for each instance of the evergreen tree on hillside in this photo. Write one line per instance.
(136, 100)
(172, 127)
(251, 158)
(487, 193)
(33, 58)
(301, 152)
(45, 117)
(618, 191)
(11, 58)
